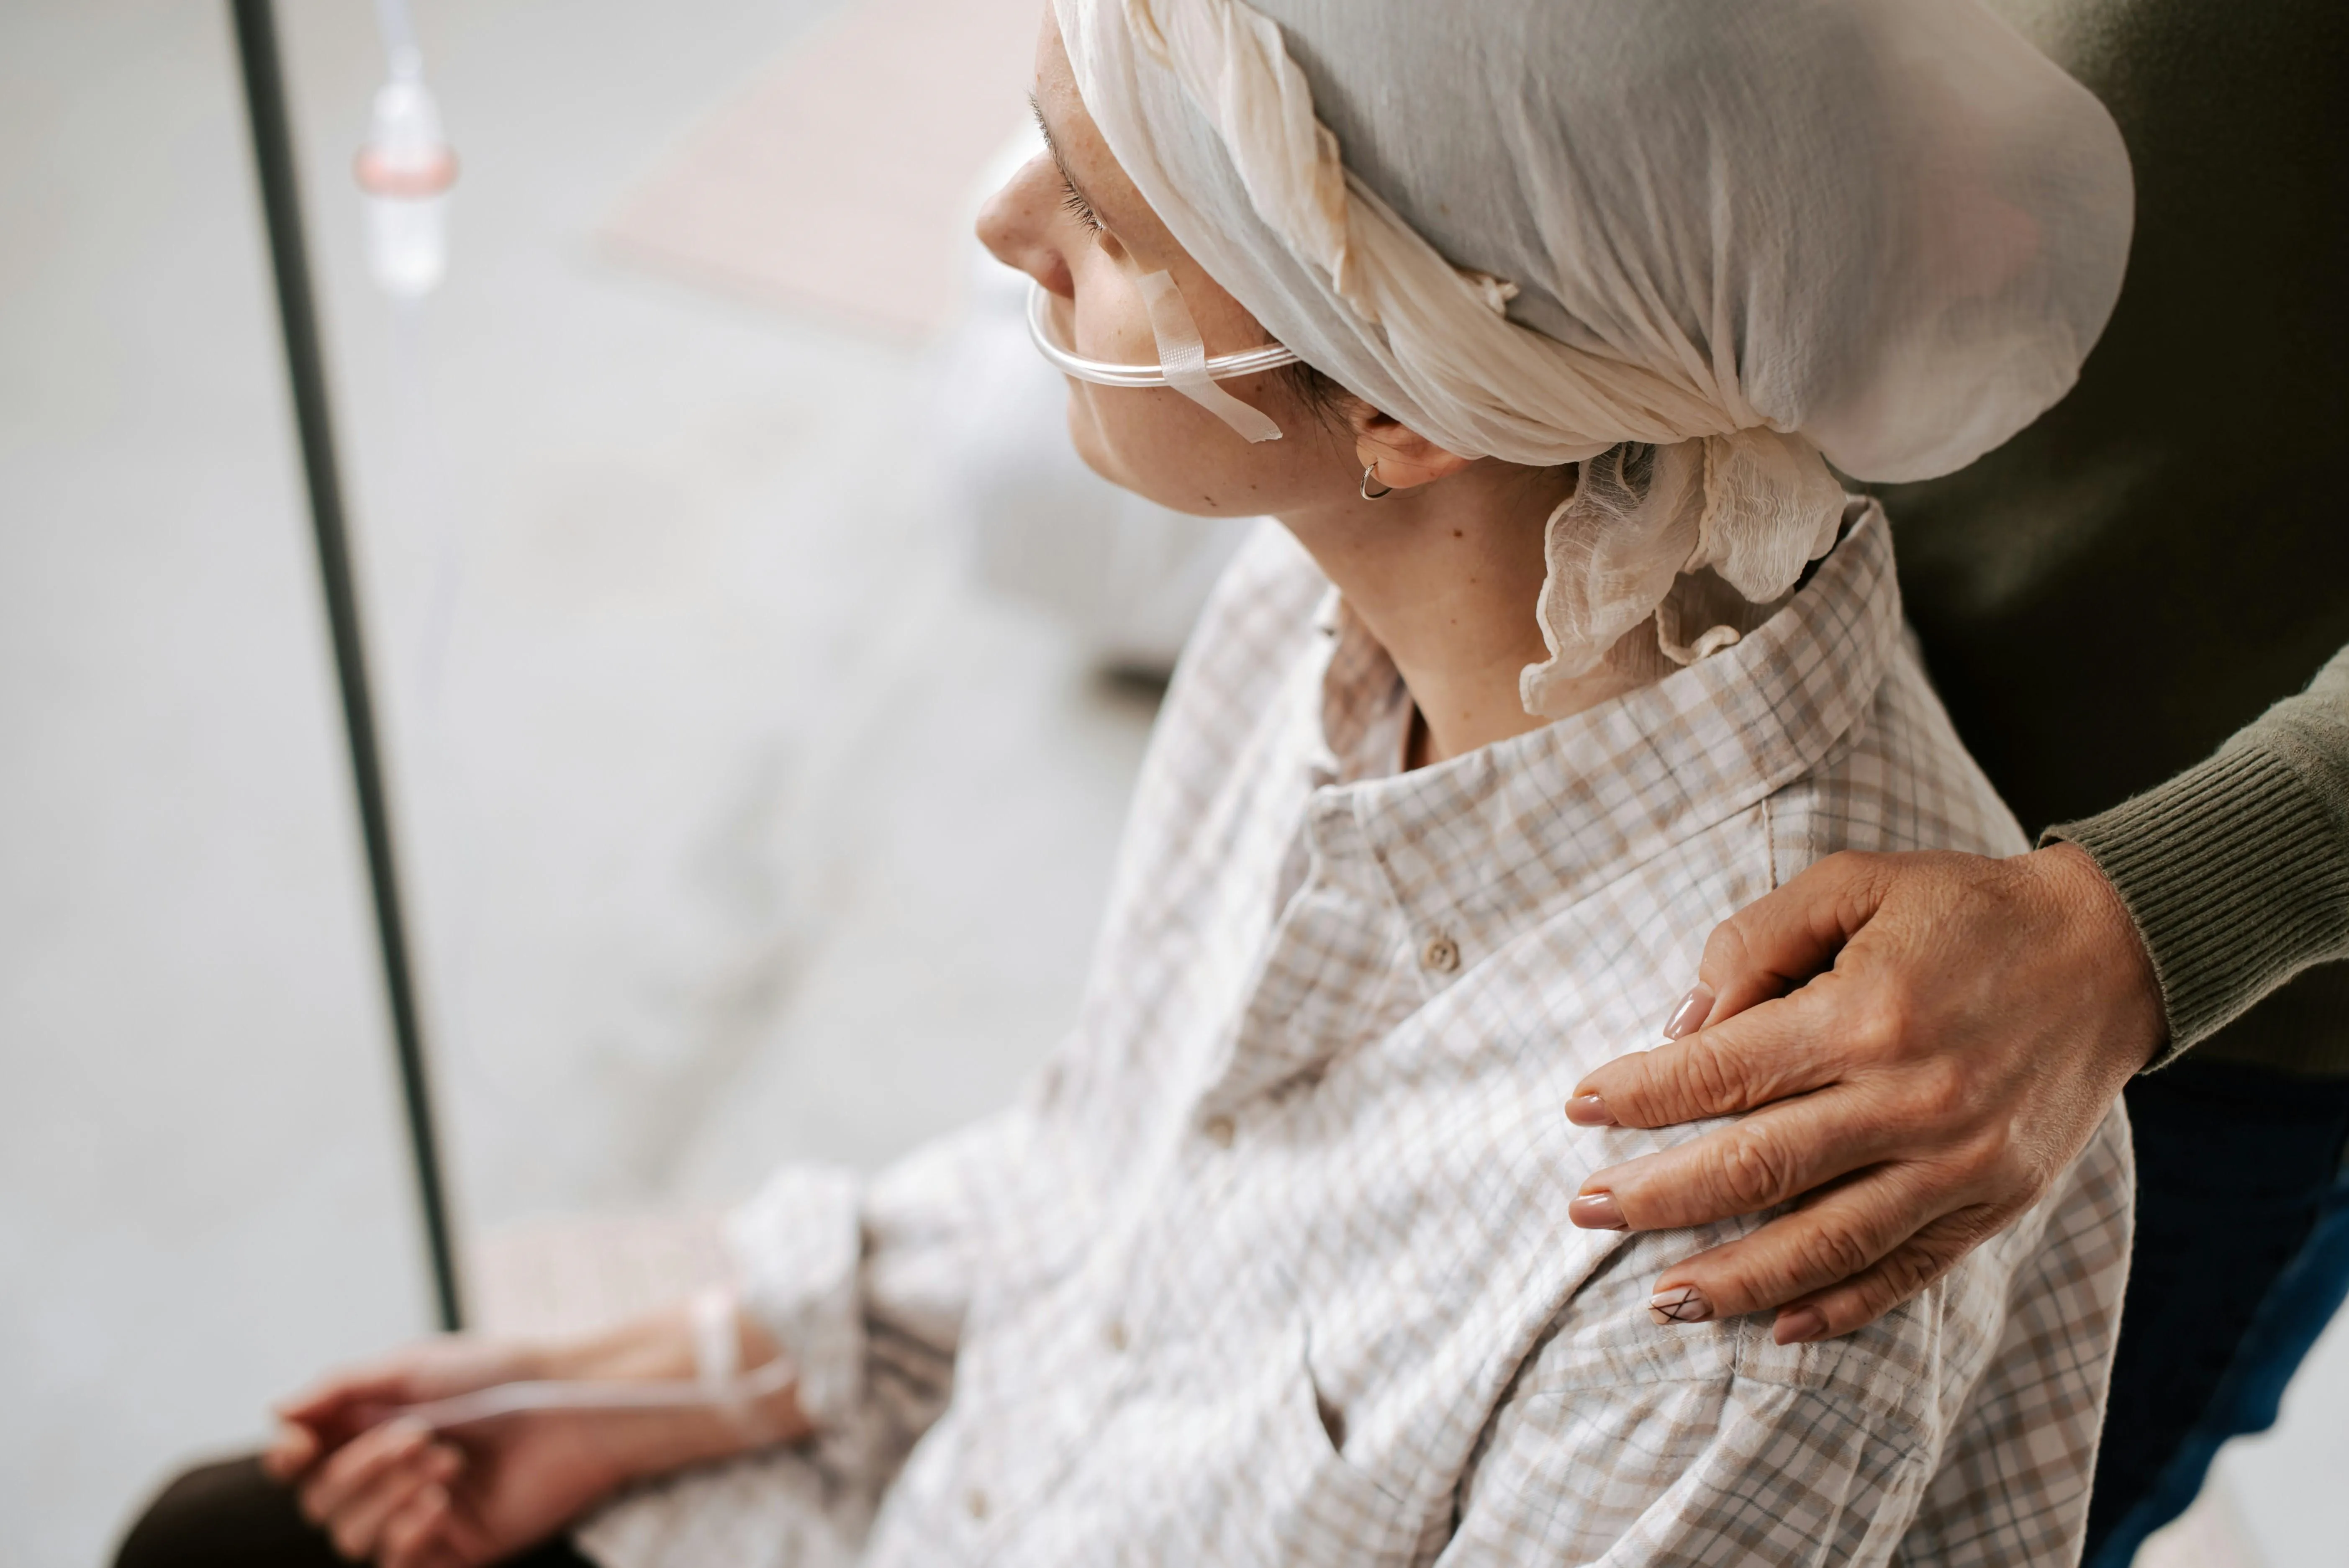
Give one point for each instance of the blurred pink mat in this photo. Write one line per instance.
(843, 177)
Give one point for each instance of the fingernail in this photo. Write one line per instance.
(1598, 1211)
(1679, 1303)
(1800, 1327)
(1689, 1015)
(1589, 1110)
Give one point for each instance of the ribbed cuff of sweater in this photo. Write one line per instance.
(2234, 872)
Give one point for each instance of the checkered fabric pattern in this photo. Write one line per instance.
(1272, 1263)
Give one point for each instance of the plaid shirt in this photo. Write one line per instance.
(1271, 1264)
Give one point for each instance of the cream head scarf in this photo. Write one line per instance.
(1697, 246)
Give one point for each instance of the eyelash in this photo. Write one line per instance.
(1077, 207)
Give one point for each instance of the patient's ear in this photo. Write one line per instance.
(1403, 456)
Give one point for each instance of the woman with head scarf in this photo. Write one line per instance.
(1542, 328)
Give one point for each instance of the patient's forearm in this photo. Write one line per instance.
(660, 1345)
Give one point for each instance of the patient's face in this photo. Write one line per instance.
(1086, 238)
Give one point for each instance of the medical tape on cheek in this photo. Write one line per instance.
(1183, 356)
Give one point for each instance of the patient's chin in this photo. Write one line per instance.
(1164, 449)
(1086, 435)
(1103, 454)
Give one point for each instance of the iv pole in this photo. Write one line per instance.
(272, 155)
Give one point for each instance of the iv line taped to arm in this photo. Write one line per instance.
(718, 1384)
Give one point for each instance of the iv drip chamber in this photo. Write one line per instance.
(406, 170)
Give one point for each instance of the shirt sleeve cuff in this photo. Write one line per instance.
(2235, 874)
(798, 1247)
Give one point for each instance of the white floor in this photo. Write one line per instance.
(2291, 1485)
(738, 826)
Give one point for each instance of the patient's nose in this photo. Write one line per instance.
(1017, 225)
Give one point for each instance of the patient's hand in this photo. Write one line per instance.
(1978, 1019)
(391, 1492)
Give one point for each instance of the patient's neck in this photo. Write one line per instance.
(1446, 576)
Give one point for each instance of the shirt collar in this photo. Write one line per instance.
(1474, 846)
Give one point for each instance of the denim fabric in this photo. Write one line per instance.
(2242, 1259)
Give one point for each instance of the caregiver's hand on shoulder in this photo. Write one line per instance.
(389, 1489)
(1925, 1042)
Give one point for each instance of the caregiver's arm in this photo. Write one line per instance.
(1934, 1037)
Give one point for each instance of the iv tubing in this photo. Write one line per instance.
(670, 1394)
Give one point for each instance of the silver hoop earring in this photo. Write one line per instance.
(1370, 478)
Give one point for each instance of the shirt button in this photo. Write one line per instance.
(1219, 1132)
(1116, 1336)
(975, 1503)
(1440, 954)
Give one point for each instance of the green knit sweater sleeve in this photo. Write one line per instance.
(2237, 871)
